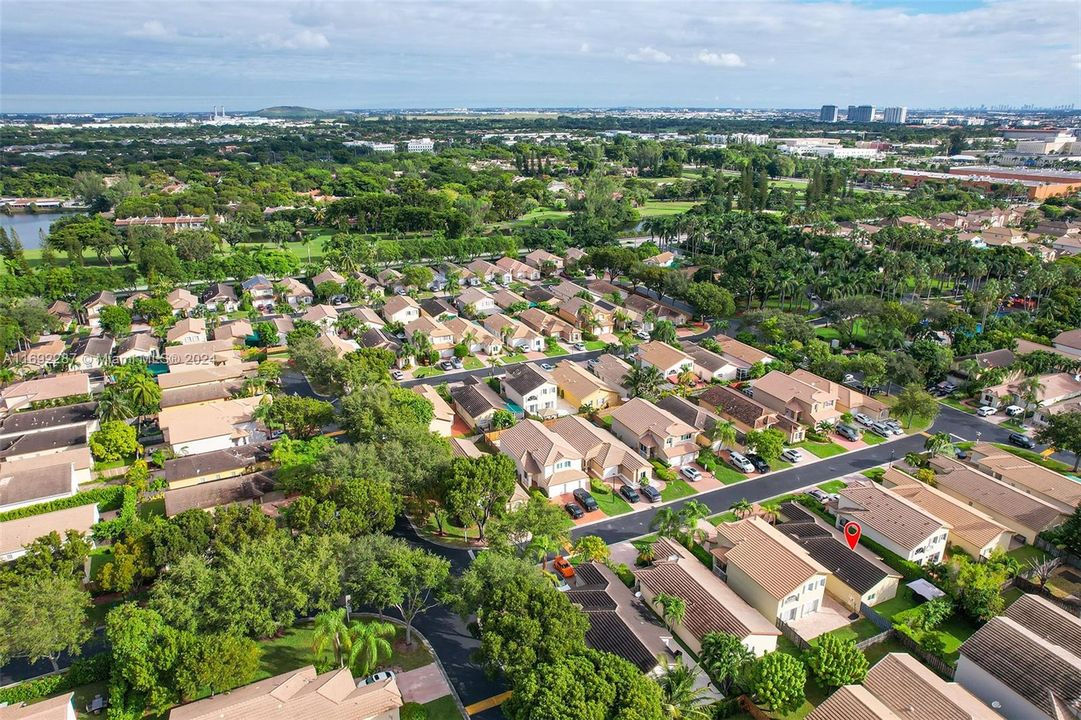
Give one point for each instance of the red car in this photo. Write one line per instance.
(563, 567)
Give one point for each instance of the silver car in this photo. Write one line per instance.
(739, 462)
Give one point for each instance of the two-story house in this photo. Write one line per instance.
(401, 309)
(655, 433)
(475, 337)
(182, 301)
(894, 522)
(604, 456)
(476, 301)
(541, 259)
(518, 270)
(324, 316)
(219, 297)
(587, 315)
(795, 399)
(581, 388)
(669, 360)
(768, 570)
(94, 305)
(514, 334)
(543, 459)
(187, 332)
(261, 290)
(550, 325)
(531, 389)
(440, 335)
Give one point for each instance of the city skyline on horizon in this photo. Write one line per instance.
(119, 56)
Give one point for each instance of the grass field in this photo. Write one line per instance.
(871, 439)
(821, 450)
(859, 630)
(610, 503)
(655, 208)
(595, 344)
(543, 214)
(675, 489)
(832, 486)
(471, 363)
(427, 371)
(443, 709)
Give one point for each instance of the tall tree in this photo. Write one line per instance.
(913, 400)
(481, 488)
(42, 616)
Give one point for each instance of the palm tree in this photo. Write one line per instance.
(723, 432)
(770, 511)
(742, 508)
(1029, 389)
(667, 523)
(679, 697)
(939, 444)
(541, 546)
(644, 381)
(368, 645)
(673, 608)
(331, 631)
(113, 404)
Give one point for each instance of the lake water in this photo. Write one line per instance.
(30, 225)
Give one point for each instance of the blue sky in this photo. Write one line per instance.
(117, 55)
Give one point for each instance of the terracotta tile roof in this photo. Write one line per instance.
(767, 556)
(892, 516)
(912, 691)
(573, 378)
(298, 695)
(1022, 652)
(663, 355)
(535, 447)
(79, 457)
(200, 375)
(741, 351)
(710, 604)
(611, 370)
(317, 313)
(852, 702)
(49, 388)
(642, 417)
(1069, 338)
(967, 523)
(185, 327)
(56, 708)
(187, 423)
(15, 534)
(998, 497)
(1020, 472)
(211, 352)
(139, 342)
(598, 446)
(397, 303)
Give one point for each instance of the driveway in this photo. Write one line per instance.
(423, 684)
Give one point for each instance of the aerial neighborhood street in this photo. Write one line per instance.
(619, 403)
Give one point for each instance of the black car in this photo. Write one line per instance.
(588, 503)
(650, 493)
(574, 511)
(630, 494)
(1022, 441)
(759, 462)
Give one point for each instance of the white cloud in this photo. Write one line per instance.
(303, 40)
(706, 57)
(584, 48)
(649, 54)
(150, 29)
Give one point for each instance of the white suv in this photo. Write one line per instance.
(740, 463)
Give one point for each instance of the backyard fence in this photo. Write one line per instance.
(934, 662)
(876, 639)
(877, 620)
(1067, 557)
(1070, 605)
(791, 634)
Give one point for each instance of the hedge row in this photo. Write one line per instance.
(106, 498)
(81, 672)
(113, 529)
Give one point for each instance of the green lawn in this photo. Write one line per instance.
(514, 358)
(610, 503)
(871, 439)
(542, 214)
(555, 351)
(152, 508)
(427, 371)
(654, 208)
(98, 558)
(675, 489)
(595, 344)
(859, 630)
(832, 486)
(1027, 553)
(294, 650)
(113, 464)
(723, 518)
(954, 632)
(453, 534)
(905, 600)
(443, 709)
(957, 405)
(471, 363)
(821, 450)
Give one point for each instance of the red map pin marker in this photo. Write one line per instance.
(852, 533)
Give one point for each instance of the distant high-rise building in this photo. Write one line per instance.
(861, 113)
(828, 114)
(895, 115)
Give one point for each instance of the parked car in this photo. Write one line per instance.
(819, 495)
(397, 374)
(894, 426)
(587, 501)
(447, 365)
(579, 346)
(574, 511)
(562, 566)
(691, 473)
(547, 366)
(791, 455)
(740, 463)
(986, 411)
(591, 363)
(457, 362)
(650, 493)
(642, 335)
(848, 432)
(377, 677)
(630, 494)
(759, 462)
(1022, 441)
(881, 429)
(1014, 411)
(864, 420)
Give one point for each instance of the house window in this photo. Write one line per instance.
(871, 597)
(791, 599)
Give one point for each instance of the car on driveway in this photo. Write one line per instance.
(642, 335)
(562, 566)
(691, 473)
(574, 511)
(819, 495)
(650, 493)
(791, 455)
(882, 430)
(759, 462)
(630, 494)
(1014, 411)
(1022, 441)
(397, 374)
(864, 420)
(378, 677)
(986, 411)
(587, 501)
(894, 426)
(447, 365)
(740, 463)
(848, 432)
(579, 346)
(547, 366)
(457, 362)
